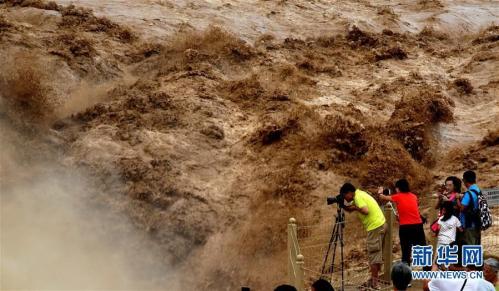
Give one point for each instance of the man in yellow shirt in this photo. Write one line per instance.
(372, 218)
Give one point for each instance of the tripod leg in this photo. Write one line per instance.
(342, 258)
(335, 243)
(336, 236)
(329, 248)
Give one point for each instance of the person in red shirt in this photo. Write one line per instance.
(411, 230)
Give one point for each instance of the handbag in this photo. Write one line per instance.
(435, 227)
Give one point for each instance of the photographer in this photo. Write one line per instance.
(372, 218)
(449, 192)
(411, 230)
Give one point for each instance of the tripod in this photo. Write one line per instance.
(336, 236)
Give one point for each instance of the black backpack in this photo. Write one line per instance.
(484, 218)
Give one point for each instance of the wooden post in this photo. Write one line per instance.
(388, 243)
(300, 276)
(432, 216)
(296, 274)
(291, 250)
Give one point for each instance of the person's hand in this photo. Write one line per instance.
(349, 208)
(352, 208)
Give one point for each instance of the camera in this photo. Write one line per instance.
(339, 199)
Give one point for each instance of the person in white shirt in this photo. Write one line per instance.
(448, 225)
(460, 285)
(457, 284)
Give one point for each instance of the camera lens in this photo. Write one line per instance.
(330, 200)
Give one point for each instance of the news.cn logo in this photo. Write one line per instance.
(447, 255)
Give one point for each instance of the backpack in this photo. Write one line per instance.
(483, 211)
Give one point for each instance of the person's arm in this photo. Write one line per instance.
(350, 208)
(459, 226)
(424, 220)
(443, 196)
(364, 210)
(360, 206)
(382, 196)
(463, 203)
(385, 197)
(439, 202)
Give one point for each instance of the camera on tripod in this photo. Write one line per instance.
(339, 199)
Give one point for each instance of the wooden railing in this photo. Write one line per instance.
(295, 258)
(300, 275)
(302, 270)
